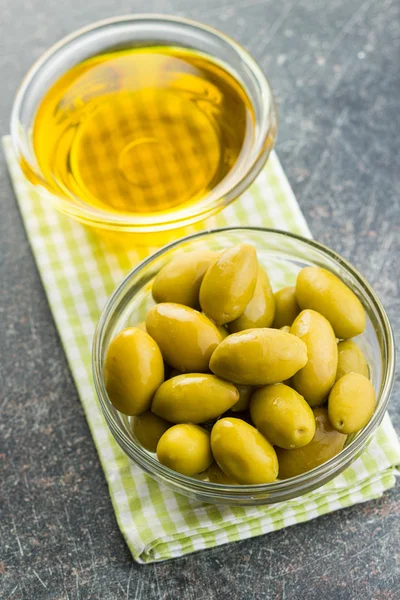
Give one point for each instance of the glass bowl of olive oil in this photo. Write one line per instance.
(144, 123)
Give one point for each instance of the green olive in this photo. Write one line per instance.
(229, 284)
(185, 448)
(179, 281)
(203, 476)
(286, 307)
(326, 443)
(133, 370)
(223, 331)
(148, 428)
(320, 290)
(193, 398)
(285, 328)
(351, 359)
(216, 475)
(351, 403)
(315, 380)
(243, 453)
(142, 326)
(186, 337)
(282, 416)
(260, 310)
(245, 392)
(259, 356)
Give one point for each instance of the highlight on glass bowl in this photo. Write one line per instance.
(143, 123)
(243, 365)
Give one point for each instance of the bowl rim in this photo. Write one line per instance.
(133, 222)
(300, 482)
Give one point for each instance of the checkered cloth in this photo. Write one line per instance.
(79, 274)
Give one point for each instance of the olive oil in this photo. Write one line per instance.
(142, 130)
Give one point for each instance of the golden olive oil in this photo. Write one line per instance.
(142, 130)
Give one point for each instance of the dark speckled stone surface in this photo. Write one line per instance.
(335, 70)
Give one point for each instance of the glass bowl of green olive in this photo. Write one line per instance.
(243, 365)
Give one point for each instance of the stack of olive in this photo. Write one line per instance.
(230, 382)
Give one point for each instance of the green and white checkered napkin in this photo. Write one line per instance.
(79, 273)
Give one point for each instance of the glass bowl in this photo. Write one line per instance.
(283, 254)
(141, 31)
